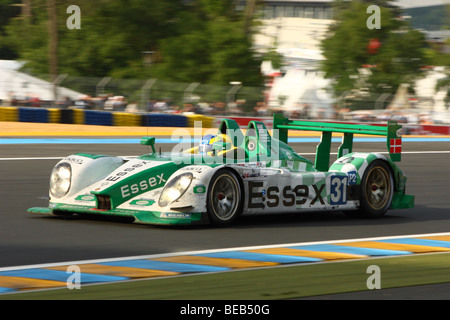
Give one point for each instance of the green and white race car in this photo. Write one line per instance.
(234, 173)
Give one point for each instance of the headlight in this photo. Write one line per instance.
(175, 188)
(60, 180)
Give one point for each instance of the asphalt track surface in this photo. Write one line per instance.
(26, 239)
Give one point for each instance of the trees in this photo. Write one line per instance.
(394, 53)
(213, 47)
(8, 10)
(198, 40)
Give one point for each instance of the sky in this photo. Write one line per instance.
(420, 3)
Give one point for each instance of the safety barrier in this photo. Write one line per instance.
(33, 115)
(78, 116)
(102, 118)
(106, 118)
(54, 116)
(9, 114)
(163, 120)
(124, 119)
(206, 122)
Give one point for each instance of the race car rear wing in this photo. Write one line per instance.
(392, 131)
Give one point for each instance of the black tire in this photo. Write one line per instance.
(377, 190)
(225, 198)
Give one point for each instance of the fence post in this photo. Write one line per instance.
(189, 90)
(56, 83)
(145, 95)
(100, 88)
(231, 94)
(380, 100)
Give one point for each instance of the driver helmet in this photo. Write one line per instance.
(221, 142)
(206, 144)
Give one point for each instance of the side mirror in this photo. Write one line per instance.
(149, 141)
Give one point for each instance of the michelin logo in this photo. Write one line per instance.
(175, 215)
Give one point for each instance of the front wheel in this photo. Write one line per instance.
(225, 198)
(377, 190)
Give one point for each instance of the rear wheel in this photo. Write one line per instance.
(377, 190)
(225, 198)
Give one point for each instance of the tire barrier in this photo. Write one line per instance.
(207, 122)
(102, 118)
(99, 118)
(106, 118)
(124, 119)
(9, 114)
(54, 116)
(78, 116)
(163, 120)
(66, 116)
(33, 115)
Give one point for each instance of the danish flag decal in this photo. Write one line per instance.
(395, 146)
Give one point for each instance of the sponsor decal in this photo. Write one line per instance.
(125, 171)
(128, 190)
(200, 189)
(288, 196)
(257, 164)
(75, 160)
(175, 215)
(345, 160)
(338, 189)
(250, 173)
(85, 197)
(352, 177)
(142, 202)
(197, 169)
(395, 146)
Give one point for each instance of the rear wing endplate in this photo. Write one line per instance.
(392, 131)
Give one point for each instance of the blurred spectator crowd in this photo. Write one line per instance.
(117, 103)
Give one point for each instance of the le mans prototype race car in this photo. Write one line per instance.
(233, 173)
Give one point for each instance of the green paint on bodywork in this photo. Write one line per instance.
(346, 145)
(200, 189)
(402, 201)
(142, 202)
(92, 155)
(391, 131)
(231, 128)
(40, 211)
(143, 217)
(149, 141)
(138, 183)
(176, 219)
(265, 151)
(323, 152)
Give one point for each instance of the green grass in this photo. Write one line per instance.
(265, 284)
